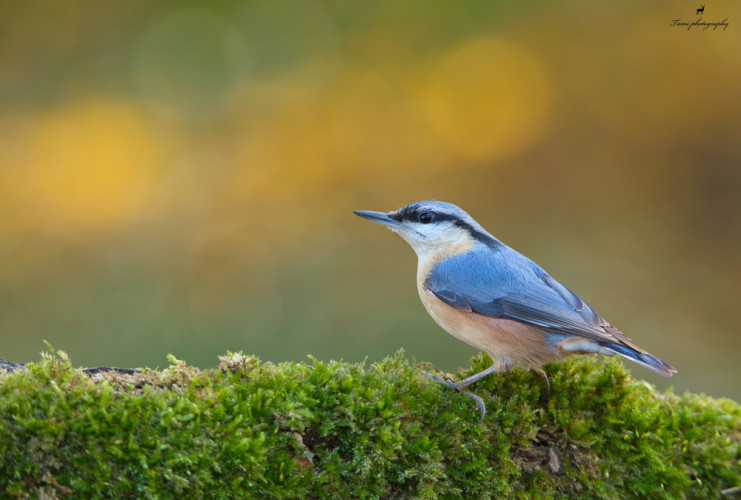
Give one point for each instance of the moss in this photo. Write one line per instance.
(253, 429)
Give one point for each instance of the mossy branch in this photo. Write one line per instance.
(255, 430)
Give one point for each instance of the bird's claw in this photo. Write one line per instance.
(437, 378)
(479, 402)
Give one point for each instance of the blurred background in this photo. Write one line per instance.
(178, 177)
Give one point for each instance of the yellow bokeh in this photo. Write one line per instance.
(306, 139)
(487, 98)
(91, 164)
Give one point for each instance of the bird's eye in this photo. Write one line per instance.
(426, 217)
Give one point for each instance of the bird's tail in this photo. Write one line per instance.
(642, 358)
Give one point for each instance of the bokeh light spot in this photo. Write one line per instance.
(486, 98)
(92, 164)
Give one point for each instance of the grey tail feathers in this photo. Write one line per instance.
(642, 358)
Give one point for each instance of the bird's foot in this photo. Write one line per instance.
(438, 378)
(462, 388)
(479, 402)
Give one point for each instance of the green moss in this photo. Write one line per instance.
(253, 429)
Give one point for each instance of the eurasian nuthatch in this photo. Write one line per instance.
(497, 300)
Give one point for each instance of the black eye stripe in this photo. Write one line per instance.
(424, 216)
(412, 213)
(476, 234)
(416, 214)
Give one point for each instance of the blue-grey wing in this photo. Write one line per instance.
(503, 283)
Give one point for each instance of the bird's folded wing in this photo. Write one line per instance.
(520, 291)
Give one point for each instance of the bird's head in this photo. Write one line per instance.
(432, 226)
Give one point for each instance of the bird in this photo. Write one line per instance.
(498, 301)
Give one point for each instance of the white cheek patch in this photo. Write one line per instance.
(434, 240)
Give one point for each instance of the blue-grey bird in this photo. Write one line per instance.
(497, 300)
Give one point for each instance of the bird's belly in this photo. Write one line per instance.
(502, 339)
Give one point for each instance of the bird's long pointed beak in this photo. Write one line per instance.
(377, 217)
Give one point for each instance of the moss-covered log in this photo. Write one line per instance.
(249, 429)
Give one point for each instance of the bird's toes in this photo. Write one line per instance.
(437, 378)
(479, 403)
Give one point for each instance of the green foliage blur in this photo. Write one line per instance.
(178, 177)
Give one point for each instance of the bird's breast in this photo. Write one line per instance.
(502, 339)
